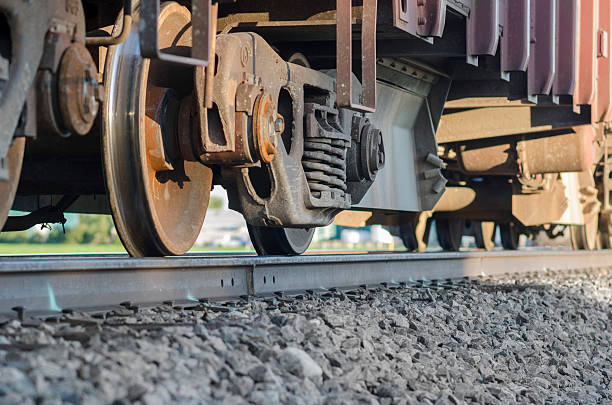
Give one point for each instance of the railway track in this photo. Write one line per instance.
(47, 285)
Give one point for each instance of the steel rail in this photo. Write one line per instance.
(48, 284)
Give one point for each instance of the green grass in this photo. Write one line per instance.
(50, 248)
(46, 248)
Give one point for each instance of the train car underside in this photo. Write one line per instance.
(475, 115)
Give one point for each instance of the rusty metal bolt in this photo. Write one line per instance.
(421, 20)
(279, 124)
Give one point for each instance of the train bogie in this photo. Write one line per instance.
(383, 112)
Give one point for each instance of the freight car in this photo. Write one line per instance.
(476, 113)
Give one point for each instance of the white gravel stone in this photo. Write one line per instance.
(299, 363)
(540, 339)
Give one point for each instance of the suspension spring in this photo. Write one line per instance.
(324, 163)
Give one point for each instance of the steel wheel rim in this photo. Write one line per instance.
(137, 196)
(449, 233)
(585, 237)
(605, 231)
(280, 241)
(8, 188)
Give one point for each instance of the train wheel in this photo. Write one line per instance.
(449, 233)
(485, 235)
(509, 236)
(158, 199)
(280, 241)
(415, 234)
(8, 188)
(605, 231)
(585, 237)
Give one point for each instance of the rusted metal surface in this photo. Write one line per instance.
(158, 199)
(570, 152)
(288, 148)
(150, 38)
(79, 92)
(227, 131)
(266, 122)
(286, 169)
(344, 56)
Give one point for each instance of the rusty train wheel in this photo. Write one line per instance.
(8, 188)
(158, 199)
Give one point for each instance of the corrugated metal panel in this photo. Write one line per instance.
(584, 92)
(515, 40)
(482, 30)
(564, 45)
(541, 69)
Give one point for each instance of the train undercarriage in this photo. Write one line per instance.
(371, 112)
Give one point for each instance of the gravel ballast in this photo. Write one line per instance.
(542, 339)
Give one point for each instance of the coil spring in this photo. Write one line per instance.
(324, 163)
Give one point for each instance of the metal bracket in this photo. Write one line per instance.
(201, 35)
(344, 55)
